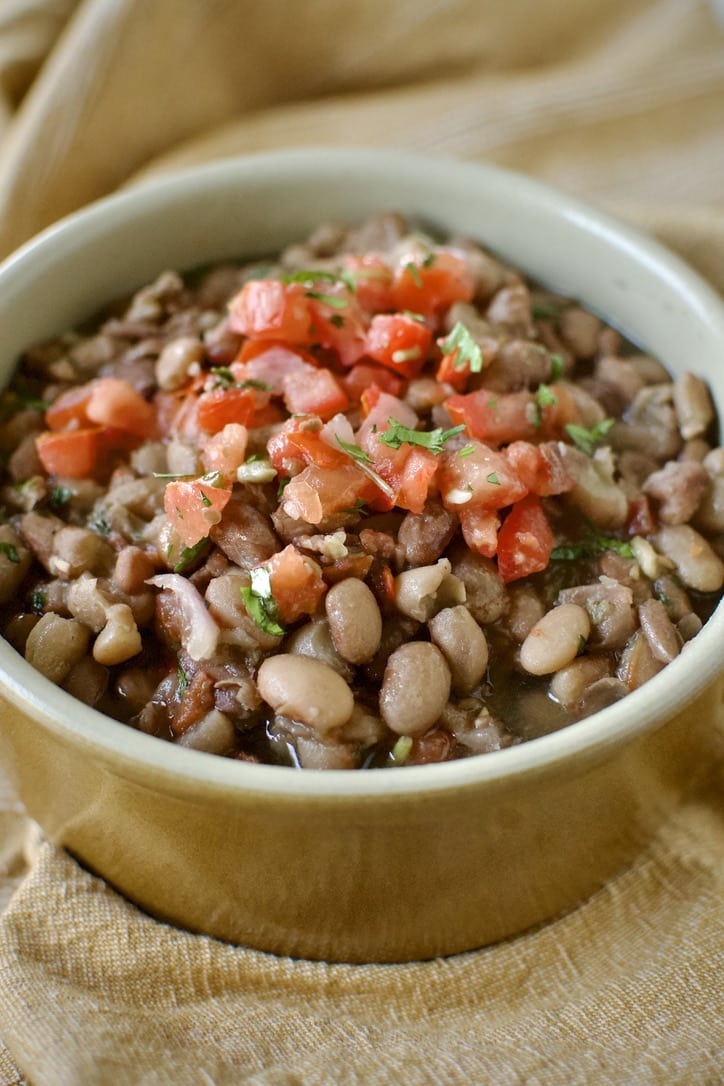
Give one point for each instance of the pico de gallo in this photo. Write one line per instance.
(378, 501)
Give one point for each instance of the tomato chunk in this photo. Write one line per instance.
(70, 410)
(525, 540)
(314, 391)
(480, 529)
(73, 453)
(399, 342)
(362, 376)
(540, 467)
(429, 284)
(496, 417)
(296, 583)
(372, 277)
(115, 402)
(482, 478)
(269, 309)
(218, 407)
(194, 506)
(225, 451)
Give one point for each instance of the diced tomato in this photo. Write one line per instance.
(539, 467)
(448, 372)
(69, 411)
(269, 363)
(381, 407)
(362, 376)
(267, 309)
(314, 391)
(525, 540)
(115, 402)
(373, 279)
(480, 529)
(72, 453)
(482, 478)
(496, 417)
(429, 284)
(318, 492)
(315, 450)
(341, 327)
(268, 416)
(399, 342)
(225, 451)
(193, 507)
(412, 486)
(296, 583)
(220, 406)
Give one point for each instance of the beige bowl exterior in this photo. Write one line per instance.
(372, 866)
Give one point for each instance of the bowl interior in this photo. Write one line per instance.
(251, 208)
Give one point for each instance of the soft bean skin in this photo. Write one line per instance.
(697, 563)
(305, 689)
(555, 640)
(355, 622)
(415, 688)
(55, 645)
(463, 644)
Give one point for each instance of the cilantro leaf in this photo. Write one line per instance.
(434, 440)
(260, 603)
(10, 551)
(557, 367)
(591, 548)
(586, 440)
(189, 555)
(354, 451)
(59, 495)
(468, 351)
(182, 681)
(332, 300)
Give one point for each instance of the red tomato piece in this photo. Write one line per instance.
(496, 417)
(314, 392)
(480, 529)
(318, 492)
(413, 484)
(115, 402)
(270, 310)
(220, 406)
(72, 453)
(270, 363)
(399, 342)
(340, 327)
(525, 540)
(296, 583)
(539, 467)
(364, 375)
(429, 284)
(225, 451)
(373, 279)
(482, 478)
(69, 411)
(451, 374)
(193, 507)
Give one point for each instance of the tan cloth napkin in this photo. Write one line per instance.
(620, 101)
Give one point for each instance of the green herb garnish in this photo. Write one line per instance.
(591, 548)
(37, 601)
(332, 300)
(586, 440)
(401, 750)
(557, 367)
(493, 478)
(468, 351)
(310, 276)
(283, 484)
(183, 681)
(414, 274)
(10, 551)
(189, 555)
(413, 316)
(260, 603)
(434, 440)
(545, 396)
(59, 495)
(468, 450)
(98, 524)
(354, 451)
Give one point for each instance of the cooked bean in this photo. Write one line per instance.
(420, 593)
(525, 608)
(697, 563)
(415, 688)
(314, 639)
(78, 550)
(55, 645)
(580, 330)
(87, 681)
(555, 640)
(15, 561)
(603, 693)
(659, 631)
(693, 406)
(132, 569)
(355, 622)
(305, 689)
(569, 685)
(177, 361)
(637, 663)
(119, 639)
(678, 487)
(595, 493)
(485, 595)
(214, 733)
(610, 608)
(463, 644)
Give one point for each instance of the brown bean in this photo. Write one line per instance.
(55, 645)
(415, 688)
(132, 569)
(355, 622)
(463, 644)
(306, 690)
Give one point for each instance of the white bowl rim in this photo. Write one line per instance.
(136, 754)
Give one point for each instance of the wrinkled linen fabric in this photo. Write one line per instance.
(620, 102)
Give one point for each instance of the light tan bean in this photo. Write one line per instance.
(176, 360)
(214, 733)
(55, 645)
(132, 569)
(463, 644)
(570, 683)
(355, 622)
(697, 563)
(314, 639)
(415, 688)
(78, 550)
(119, 639)
(306, 690)
(693, 406)
(15, 561)
(555, 640)
(420, 593)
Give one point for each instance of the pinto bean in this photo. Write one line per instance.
(659, 631)
(355, 622)
(78, 550)
(698, 565)
(214, 733)
(693, 406)
(177, 361)
(87, 681)
(132, 569)
(569, 685)
(555, 640)
(415, 688)
(305, 689)
(55, 645)
(119, 639)
(15, 561)
(420, 593)
(314, 639)
(463, 644)
(485, 594)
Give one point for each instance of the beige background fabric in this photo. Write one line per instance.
(618, 101)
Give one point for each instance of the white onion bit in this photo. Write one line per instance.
(200, 632)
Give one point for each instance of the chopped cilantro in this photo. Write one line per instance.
(283, 483)
(414, 272)
(434, 440)
(37, 601)
(260, 603)
(586, 440)
(310, 276)
(411, 354)
(591, 547)
(173, 475)
(226, 377)
(401, 750)
(581, 645)
(413, 316)
(59, 495)
(10, 551)
(546, 310)
(545, 396)
(189, 555)
(429, 260)
(182, 681)
(98, 524)
(557, 367)
(354, 451)
(332, 300)
(468, 450)
(206, 501)
(461, 341)
(493, 478)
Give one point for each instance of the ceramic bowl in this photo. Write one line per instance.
(367, 866)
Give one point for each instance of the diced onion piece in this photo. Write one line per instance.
(200, 633)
